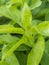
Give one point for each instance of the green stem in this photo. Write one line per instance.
(13, 48)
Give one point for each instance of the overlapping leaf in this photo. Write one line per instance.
(10, 12)
(11, 48)
(11, 57)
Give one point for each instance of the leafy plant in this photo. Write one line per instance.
(24, 32)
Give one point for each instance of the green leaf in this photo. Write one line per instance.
(26, 22)
(19, 1)
(16, 2)
(11, 57)
(8, 39)
(20, 56)
(42, 12)
(10, 12)
(3, 63)
(35, 22)
(45, 58)
(43, 28)
(26, 16)
(25, 1)
(10, 29)
(12, 48)
(11, 40)
(48, 0)
(23, 48)
(35, 3)
(36, 53)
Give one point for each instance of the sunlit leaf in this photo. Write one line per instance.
(11, 57)
(43, 28)
(36, 53)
